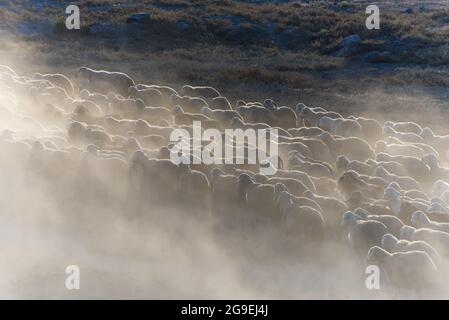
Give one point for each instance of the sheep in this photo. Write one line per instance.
(305, 131)
(294, 186)
(415, 167)
(150, 96)
(257, 114)
(437, 172)
(58, 80)
(224, 116)
(407, 137)
(421, 220)
(405, 127)
(344, 164)
(281, 193)
(393, 223)
(398, 149)
(341, 127)
(325, 186)
(440, 143)
(193, 187)
(350, 182)
(371, 129)
(392, 244)
(314, 169)
(354, 148)
(303, 177)
(166, 91)
(184, 118)
(259, 200)
(311, 117)
(319, 149)
(363, 234)
(284, 117)
(416, 194)
(188, 104)
(437, 239)
(302, 223)
(331, 208)
(405, 183)
(439, 187)
(100, 80)
(410, 270)
(201, 92)
(219, 103)
(392, 167)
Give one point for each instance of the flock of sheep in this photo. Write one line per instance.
(382, 189)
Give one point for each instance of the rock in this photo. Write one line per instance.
(139, 18)
(349, 46)
(379, 57)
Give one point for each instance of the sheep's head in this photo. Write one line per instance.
(437, 207)
(240, 103)
(420, 219)
(389, 131)
(177, 110)
(236, 122)
(132, 90)
(76, 130)
(350, 182)
(186, 90)
(278, 189)
(208, 112)
(283, 200)
(349, 219)
(381, 172)
(245, 181)
(140, 104)
(380, 146)
(431, 160)
(395, 186)
(427, 134)
(270, 104)
(325, 123)
(389, 241)
(215, 173)
(164, 153)
(92, 149)
(326, 137)
(132, 144)
(341, 162)
(362, 213)
(138, 157)
(407, 232)
(376, 255)
(260, 178)
(393, 197)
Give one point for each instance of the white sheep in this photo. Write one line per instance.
(410, 270)
(363, 234)
(437, 239)
(421, 220)
(392, 244)
(102, 81)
